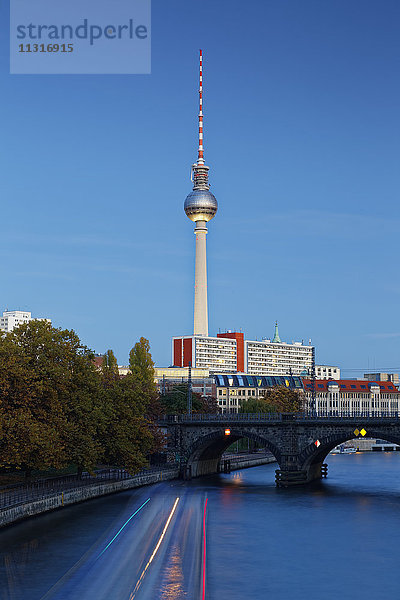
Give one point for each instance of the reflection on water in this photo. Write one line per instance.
(172, 586)
(16, 567)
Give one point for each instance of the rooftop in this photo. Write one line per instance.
(349, 385)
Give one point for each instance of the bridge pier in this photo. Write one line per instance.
(226, 465)
(199, 468)
(187, 472)
(286, 478)
(289, 478)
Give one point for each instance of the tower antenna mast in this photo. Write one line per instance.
(200, 158)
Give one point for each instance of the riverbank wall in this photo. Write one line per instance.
(56, 501)
(252, 461)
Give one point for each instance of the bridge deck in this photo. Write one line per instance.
(246, 418)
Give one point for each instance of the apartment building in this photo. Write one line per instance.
(14, 318)
(327, 372)
(352, 396)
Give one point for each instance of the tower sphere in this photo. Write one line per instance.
(201, 205)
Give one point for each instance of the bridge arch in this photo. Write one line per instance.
(312, 457)
(204, 454)
(300, 443)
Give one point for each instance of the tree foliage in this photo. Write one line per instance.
(127, 437)
(278, 399)
(131, 404)
(109, 368)
(57, 408)
(175, 401)
(256, 405)
(284, 399)
(142, 371)
(48, 391)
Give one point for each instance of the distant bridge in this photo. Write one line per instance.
(300, 443)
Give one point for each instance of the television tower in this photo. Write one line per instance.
(200, 206)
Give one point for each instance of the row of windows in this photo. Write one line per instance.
(358, 396)
(347, 404)
(283, 347)
(238, 392)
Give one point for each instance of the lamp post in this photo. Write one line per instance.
(189, 396)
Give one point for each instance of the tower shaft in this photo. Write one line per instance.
(200, 281)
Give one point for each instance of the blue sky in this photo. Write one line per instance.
(302, 138)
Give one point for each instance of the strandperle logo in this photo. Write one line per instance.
(84, 31)
(88, 37)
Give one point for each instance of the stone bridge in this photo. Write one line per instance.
(300, 443)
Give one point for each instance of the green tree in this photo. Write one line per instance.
(175, 401)
(127, 438)
(209, 405)
(48, 393)
(84, 412)
(142, 376)
(256, 405)
(109, 368)
(284, 399)
(131, 434)
(276, 400)
(141, 367)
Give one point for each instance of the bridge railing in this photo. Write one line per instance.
(279, 417)
(204, 417)
(21, 493)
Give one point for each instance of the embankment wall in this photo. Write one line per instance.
(36, 507)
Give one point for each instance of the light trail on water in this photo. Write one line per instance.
(204, 550)
(155, 550)
(123, 526)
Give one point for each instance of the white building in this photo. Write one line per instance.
(327, 372)
(267, 357)
(14, 318)
(352, 397)
(206, 352)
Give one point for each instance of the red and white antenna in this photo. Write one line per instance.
(200, 159)
(199, 171)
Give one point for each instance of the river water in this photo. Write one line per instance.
(336, 539)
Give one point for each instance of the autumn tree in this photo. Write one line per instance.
(131, 434)
(142, 371)
(175, 400)
(141, 367)
(283, 399)
(127, 437)
(276, 400)
(57, 409)
(209, 405)
(109, 368)
(48, 392)
(256, 405)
